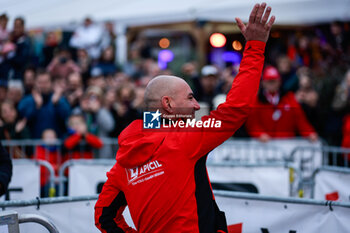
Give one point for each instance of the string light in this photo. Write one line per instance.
(164, 43)
(236, 45)
(217, 40)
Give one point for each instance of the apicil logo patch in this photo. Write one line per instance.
(144, 172)
(151, 120)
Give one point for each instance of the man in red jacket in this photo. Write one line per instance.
(276, 114)
(160, 173)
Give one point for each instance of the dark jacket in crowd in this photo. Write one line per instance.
(21, 57)
(48, 116)
(5, 169)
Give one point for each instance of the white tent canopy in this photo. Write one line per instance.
(48, 13)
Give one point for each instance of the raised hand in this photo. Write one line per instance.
(38, 99)
(20, 125)
(257, 28)
(58, 91)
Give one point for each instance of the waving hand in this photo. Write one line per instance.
(258, 27)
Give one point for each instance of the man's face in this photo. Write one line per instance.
(284, 65)
(18, 27)
(74, 81)
(3, 23)
(271, 86)
(78, 124)
(43, 83)
(208, 83)
(14, 94)
(8, 113)
(184, 101)
(29, 78)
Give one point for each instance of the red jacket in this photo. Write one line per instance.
(77, 151)
(53, 157)
(161, 175)
(346, 134)
(281, 121)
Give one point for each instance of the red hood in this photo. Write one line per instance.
(136, 145)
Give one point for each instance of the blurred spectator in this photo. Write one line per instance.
(275, 115)
(21, 55)
(106, 64)
(288, 75)
(13, 128)
(62, 65)
(15, 91)
(206, 86)
(97, 79)
(122, 109)
(6, 49)
(3, 92)
(150, 68)
(4, 34)
(74, 89)
(134, 64)
(228, 74)
(110, 98)
(51, 43)
(109, 36)
(299, 50)
(339, 39)
(48, 151)
(5, 170)
(138, 102)
(334, 98)
(190, 73)
(99, 120)
(45, 108)
(29, 80)
(341, 100)
(84, 63)
(307, 97)
(79, 142)
(88, 37)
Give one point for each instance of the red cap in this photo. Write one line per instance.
(271, 73)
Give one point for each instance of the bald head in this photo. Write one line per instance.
(163, 85)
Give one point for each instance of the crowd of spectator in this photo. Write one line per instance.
(77, 91)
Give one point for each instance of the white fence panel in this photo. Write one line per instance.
(266, 216)
(25, 181)
(332, 184)
(267, 180)
(87, 176)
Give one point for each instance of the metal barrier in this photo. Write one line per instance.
(236, 202)
(336, 156)
(69, 214)
(26, 148)
(12, 220)
(309, 159)
(305, 159)
(293, 177)
(45, 201)
(338, 183)
(242, 150)
(248, 151)
(62, 178)
(292, 200)
(38, 163)
(328, 155)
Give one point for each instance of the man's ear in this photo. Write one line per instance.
(167, 104)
